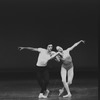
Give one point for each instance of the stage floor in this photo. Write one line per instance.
(81, 89)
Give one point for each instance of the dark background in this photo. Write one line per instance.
(36, 23)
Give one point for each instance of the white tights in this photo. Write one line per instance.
(64, 74)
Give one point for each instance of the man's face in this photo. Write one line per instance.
(49, 47)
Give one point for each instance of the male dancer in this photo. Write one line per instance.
(42, 70)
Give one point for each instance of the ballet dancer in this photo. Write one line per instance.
(41, 67)
(67, 68)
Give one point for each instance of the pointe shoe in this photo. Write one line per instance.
(68, 95)
(42, 96)
(47, 92)
(60, 91)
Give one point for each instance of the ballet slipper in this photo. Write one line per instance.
(68, 95)
(60, 92)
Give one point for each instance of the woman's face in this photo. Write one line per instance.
(59, 49)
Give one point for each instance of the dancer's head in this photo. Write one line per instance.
(49, 47)
(59, 49)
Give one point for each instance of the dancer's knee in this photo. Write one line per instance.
(64, 81)
(69, 82)
(70, 79)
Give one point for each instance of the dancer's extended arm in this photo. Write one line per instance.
(76, 44)
(29, 48)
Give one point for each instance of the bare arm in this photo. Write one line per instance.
(54, 55)
(29, 48)
(57, 58)
(76, 44)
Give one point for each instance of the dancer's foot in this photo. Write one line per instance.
(68, 95)
(42, 96)
(47, 92)
(61, 91)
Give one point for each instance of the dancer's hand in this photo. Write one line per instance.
(57, 58)
(83, 41)
(20, 48)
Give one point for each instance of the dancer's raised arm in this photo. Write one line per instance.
(29, 48)
(76, 44)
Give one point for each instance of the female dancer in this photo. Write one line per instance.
(67, 68)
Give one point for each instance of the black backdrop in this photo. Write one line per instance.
(37, 23)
